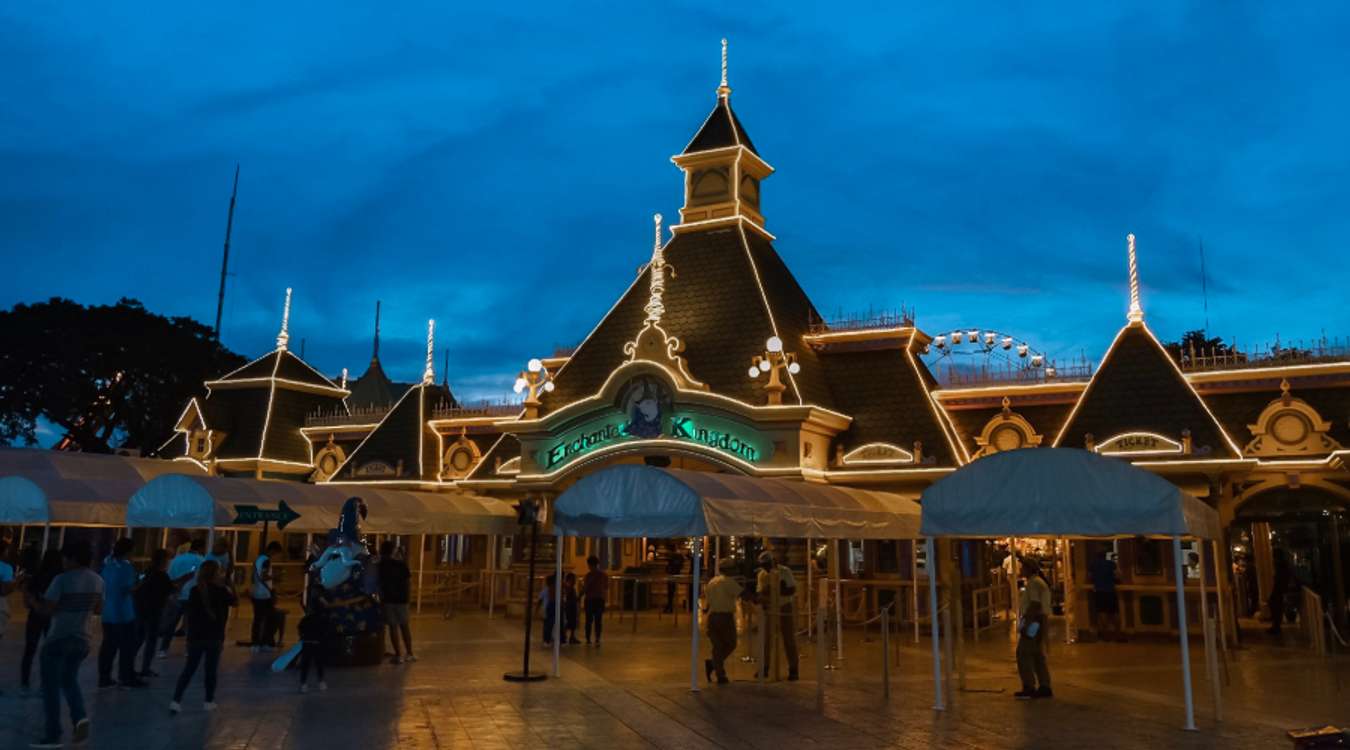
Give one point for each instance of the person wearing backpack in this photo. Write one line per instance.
(770, 571)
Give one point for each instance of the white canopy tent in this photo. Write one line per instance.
(196, 502)
(57, 488)
(1066, 492)
(630, 500)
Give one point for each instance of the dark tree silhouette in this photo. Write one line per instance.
(107, 376)
(1198, 343)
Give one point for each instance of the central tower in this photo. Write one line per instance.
(722, 170)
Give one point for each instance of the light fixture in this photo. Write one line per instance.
(794, 368)
(754, 371)
(520, 385)
(764, 365)
(534, 379)
(535, 365)
(774, 344)
(774, 361)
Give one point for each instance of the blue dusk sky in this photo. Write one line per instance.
(496, 166)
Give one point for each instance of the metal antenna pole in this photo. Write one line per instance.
(225, 260)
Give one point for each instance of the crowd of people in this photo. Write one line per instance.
(141, 612)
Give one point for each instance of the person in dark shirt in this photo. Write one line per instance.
(314, 629)
(569, 603)
(151, 597)
(1105, 601)
(395, 582)
(208, 608)
(594, 591)
(38, 620)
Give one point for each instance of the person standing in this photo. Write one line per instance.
(151, 598)
(38, 618)
(263, 597)
(786, 626)
(220, 552)
(314, 628)
(674, 566)
(208, 608)
(1036, 597)
(395, 590)
(723, 591)
(1279, 588)
(9, 580)
(1105, 601)
(569, 623)
(119, 620)
(183, 573)
(594, 591)
(1031, 666)
(73, 596)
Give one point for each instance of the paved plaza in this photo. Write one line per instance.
(633, 693)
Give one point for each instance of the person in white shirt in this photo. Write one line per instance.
(183, 573)
(264, 599)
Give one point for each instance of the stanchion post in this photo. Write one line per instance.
(693, 615)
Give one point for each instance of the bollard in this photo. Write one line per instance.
(886, 652)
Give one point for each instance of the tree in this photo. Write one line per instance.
(1197, 344)
(108, 376)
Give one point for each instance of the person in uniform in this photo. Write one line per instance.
(769, 573)
(723, 591)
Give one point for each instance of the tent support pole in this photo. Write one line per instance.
(1211, 662)
(22, 529)
(491, 573)
(838, 603)
(938, 704)
(1182, 625)
(557, 599)
(693, 615)
(914, 579)
(421, 566)
(61, 538)
(46, 532)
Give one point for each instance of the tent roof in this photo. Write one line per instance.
(630, 500)
(199, 502)
(1061, 492)
(85, 489)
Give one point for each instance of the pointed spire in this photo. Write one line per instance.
(376, 353)
(344, 378)
(429, 374)
(724, 90)
(655, 306)
(284, 336)
(1136, 314)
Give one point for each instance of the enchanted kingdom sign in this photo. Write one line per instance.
(646, 412)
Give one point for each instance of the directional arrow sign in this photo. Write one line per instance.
(247, 514)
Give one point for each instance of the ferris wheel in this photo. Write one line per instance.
(985, 347)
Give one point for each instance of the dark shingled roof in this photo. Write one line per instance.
(714, 305)
(888, 401)
(399, 436)
(1046, 419)
(507, 448)
(1138, 388)
(374, 388)
(283, 364)
(720, 130)
(1238, 410)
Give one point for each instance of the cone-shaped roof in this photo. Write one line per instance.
(721, 129)
(1138, 388)
(402, 446)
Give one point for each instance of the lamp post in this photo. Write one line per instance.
(534, 378)
(527, 513)
(774, 361)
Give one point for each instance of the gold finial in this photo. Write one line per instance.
(1136, 314)
(429, 373)
(724, 89)
(655, 306)
(284, 336)
(1284, 391)
(1007, 407)
(344, 378)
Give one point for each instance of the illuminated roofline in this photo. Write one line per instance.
(768, 309)
(958, 449)
(581, 405)
(464, 421)
(298, 385)
(367, 438)
(1274, 371)
(721, 220)
(320, 429)
(482, 461)
(945, 394)
(866, 334)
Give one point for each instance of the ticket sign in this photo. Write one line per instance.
(1137, 443)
